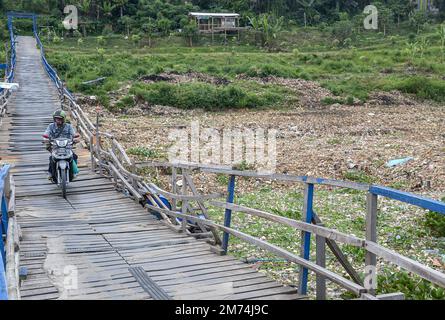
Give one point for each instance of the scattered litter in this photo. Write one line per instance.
(398, 162)
(94, 81)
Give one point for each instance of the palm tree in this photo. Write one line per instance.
(121, 4)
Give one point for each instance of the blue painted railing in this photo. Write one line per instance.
(10, 70)
(4, 174)
(405, 197)
(50, 70)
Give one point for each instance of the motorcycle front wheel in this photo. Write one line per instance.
(63, 182)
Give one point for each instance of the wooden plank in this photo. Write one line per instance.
(353, 287)
(321, 261)
(408, 264)
(371, 235)
(318, 230)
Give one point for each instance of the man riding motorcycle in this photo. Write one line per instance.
(60, 129)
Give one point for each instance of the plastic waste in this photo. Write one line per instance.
(398, 162)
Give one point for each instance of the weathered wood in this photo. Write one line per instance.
(408, 264)
(371, 226)
(321, 261)
(11, 262)
(321, 231)
(335, 249)
(121, 167)
(367, 296)
(122, 151)
(347, 284)
(183, 197)
(184, 202)
(127, 185)
(276, 177)
(391, 296)
(11, 196)
(174, 187)
(191, 185)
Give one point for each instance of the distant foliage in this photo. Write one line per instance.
(129, 16)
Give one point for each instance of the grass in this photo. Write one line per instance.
(399, 229)
(375, 63)
(358, 176)
(143, 152)
(208, 96)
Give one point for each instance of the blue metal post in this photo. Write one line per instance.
(228, 214)
(3, 285)
(4, 214)
(306, 238)
(2, 246)
(34, 24)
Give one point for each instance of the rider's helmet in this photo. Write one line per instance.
(59, 114)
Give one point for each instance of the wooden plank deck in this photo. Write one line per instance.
(98, 231)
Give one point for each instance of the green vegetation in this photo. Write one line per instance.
(398, 229)
(143, 152)
(358, 176)
(207, 96)
(349, 73)
(435, 222)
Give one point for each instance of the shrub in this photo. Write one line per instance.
(358, 176)
(435, 222)
(342, 30)
(203, 95)
(142, 152)
(422, 87)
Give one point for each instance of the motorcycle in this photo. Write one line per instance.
(63, 156)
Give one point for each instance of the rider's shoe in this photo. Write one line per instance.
(50, 177)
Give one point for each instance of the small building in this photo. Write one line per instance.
(426, 5)
(216, 22)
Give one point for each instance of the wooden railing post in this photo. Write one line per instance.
(174, 187)
(184, 202)
(306, 236)
(93, 164)
(321, 261)
(228, 213)
(99, 158)
(371, 235)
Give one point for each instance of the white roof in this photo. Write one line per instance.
(9, 86)
(210, 14)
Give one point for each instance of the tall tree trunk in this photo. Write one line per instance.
(122, 11)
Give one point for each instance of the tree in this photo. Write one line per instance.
(164, 25)
(126, 21)
(386, 17)
(121, 4)
(84, 7)
(189, 29)
(418, 19)
(149, 27)
(107, 8)
(342, 30)
(268, 26)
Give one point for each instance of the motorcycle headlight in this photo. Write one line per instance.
(62, 143)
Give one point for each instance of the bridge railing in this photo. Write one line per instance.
(9, 248)
(9, 251)
(109, 158)
(9, 74)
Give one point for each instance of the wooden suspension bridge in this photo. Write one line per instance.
(118, 236)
